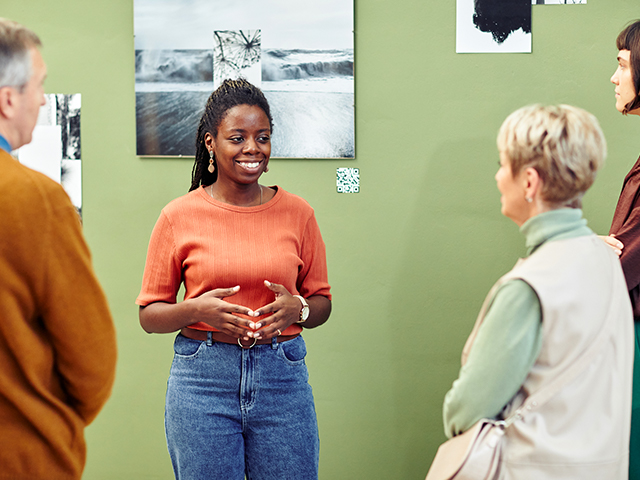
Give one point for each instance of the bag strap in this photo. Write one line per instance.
(546, 392)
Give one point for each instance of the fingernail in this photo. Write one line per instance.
(267, 283)
(252, 325)
(258, 325)
(237, 287)
(256, 313)
(250, 313)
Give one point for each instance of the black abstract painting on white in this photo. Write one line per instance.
(55, 146)
(493, 26)
(300, 53)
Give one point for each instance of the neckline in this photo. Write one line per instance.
(210, 192)
(254, 208)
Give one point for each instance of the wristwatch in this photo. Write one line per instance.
(304, 313)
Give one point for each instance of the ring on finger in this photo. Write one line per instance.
(279, 332)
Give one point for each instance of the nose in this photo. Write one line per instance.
(250, 146)
(614, 78)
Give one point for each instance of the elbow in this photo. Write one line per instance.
(322, 307)
(146, 330)
(145, 320)
(328, 310)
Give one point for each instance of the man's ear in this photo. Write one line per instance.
(7, 102)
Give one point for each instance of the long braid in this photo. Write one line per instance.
(229, 94)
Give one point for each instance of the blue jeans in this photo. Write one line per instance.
(232, 412)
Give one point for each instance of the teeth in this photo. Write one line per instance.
(250, 165)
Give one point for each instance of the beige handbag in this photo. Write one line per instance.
(477, 453)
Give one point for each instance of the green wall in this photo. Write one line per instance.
(410, 257)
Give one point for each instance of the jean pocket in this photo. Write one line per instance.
(186, 347)
(293, 351)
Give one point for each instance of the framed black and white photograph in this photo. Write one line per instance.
(558, 2)
(54, 149)
(493, 26)
(299, 53)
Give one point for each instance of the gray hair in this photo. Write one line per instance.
(16, 43)
(564, 144)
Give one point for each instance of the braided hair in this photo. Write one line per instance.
(229, 94)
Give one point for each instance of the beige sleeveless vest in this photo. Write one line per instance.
(583, 431)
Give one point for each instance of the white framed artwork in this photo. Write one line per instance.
(299, 53)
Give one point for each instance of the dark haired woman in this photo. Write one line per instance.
(624, 235)
(253, 265)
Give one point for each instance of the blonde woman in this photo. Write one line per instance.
(549, 309)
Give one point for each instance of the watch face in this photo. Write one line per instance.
(304, 314)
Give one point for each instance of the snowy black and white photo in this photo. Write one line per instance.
(55, 146)
(300, 54)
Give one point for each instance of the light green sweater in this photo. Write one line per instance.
(510, 337)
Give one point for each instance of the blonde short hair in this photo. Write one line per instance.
(564, 144)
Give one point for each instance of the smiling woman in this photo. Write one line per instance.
(241, 148)
(253, 264)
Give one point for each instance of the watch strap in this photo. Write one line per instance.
(304, 311)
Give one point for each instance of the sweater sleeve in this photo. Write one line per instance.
(508, 343)
(629, 235)
(75, 312)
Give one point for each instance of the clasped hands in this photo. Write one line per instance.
(222, 315)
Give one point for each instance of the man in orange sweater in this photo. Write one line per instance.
(57, 339)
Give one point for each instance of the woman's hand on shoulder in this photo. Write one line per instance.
(615, 244)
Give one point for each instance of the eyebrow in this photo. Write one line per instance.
(621, 60)
(242, 130)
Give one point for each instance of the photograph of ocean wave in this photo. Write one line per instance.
(306, 62)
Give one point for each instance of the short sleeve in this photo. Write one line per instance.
(312, 278)
(163, 269)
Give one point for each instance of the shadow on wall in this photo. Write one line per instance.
(458, 246)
